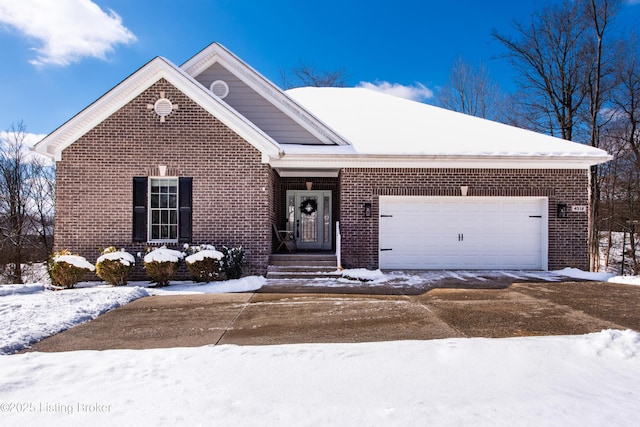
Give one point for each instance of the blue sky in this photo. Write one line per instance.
(59, 56)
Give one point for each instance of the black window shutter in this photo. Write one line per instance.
(184, 211)
(140, 209)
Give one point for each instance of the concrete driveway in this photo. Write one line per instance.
(521, 309)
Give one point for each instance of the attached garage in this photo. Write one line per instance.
(422, 232)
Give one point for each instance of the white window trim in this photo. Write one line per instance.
(149, 210)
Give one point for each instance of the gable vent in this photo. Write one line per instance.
(219, 89)
(163, 107)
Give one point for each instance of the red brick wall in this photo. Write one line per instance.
(567, 236)
(236, 197)
(232, 190)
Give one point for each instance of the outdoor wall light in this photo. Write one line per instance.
(561, 210)
(367, 210)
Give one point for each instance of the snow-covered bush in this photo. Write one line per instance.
(114, 266)
(233, 262)
(66, 270)
(162, 264)
(204, 263)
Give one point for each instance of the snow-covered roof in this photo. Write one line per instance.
(377, 124)
(357, 127)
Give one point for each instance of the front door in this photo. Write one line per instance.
(309, 217)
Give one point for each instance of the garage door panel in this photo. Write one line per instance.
(463, 232)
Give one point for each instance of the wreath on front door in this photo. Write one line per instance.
(308, 207)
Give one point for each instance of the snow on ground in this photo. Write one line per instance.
(599, 277)
(400, 279)
(26, 318)
(625, 280)
(613, 263)
(569, 380)
(358, 277)
(29, 313)
(245, 284)
(562, 381)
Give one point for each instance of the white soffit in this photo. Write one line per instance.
(411, 161)
(301, 173)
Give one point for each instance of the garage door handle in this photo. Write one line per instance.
(535, 216)
(386, 216)
(386, 249)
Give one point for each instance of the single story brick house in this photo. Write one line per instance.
(213, 152)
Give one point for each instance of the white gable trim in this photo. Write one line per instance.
(216, 53)
(159, 68)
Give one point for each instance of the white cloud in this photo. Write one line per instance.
(417, 92)
(66, 30)
(28, 140)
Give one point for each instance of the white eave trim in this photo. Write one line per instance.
(316, 162)
(53, 144)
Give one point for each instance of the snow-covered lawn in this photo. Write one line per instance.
(569, 380)
(552, 381)
(29, 313)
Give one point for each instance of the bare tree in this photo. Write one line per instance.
(565, 58)
(42, 205)
(626, 99)
(21, 180)
(305, 74)
(599, 81)
(628, 211)
(549, 55)
(620, 179)
(609, 177)
(626, 123)
(471, 91)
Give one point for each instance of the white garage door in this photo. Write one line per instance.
(419, 232)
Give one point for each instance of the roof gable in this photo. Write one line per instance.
(260, 100)
(134, 85)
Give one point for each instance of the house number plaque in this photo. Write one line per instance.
(578, 208)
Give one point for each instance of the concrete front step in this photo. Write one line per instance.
(299, 268)
(301, 258)
(304, 274)
(302, 266)
(293, 262)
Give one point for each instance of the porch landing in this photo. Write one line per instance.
(303, 265)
